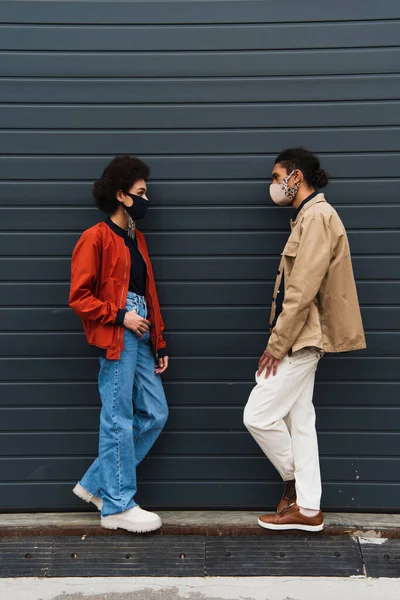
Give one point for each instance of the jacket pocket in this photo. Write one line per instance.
(291, 249)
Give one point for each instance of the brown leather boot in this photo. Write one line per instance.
(289, 495)
(291, 518)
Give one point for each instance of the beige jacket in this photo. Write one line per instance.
(320, 306)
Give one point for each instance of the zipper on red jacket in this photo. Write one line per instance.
(120, 300)
(152, 299)
(155, 319)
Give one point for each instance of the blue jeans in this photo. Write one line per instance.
(134, 412)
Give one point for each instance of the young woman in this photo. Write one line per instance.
(114, 293)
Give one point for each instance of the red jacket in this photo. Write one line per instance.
(100, 272)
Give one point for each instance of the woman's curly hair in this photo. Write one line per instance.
(120, 174)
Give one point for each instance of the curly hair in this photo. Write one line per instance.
(307, 163)
(120, 174)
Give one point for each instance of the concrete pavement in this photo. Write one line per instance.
(218, 588)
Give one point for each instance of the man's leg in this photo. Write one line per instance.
(271, 401)
(301, 421)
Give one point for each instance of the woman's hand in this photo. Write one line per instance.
(162, 365)
(136, 323)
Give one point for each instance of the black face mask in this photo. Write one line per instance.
(139, 207)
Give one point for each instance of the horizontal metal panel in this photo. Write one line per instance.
(204, 468)
(193, 293)
(242, 244)
(205, 218)
(195, 11)
(226, 468)
(379, 86)
(251, 268)
(39, 319)
(192, 344)
(37, 244)
(195, 243)
(203, 495)
(48, 393)
(232, 369)
(220, 193)
(195, 419)
(193, 167)
(340, 139)
(379, 318)
(190, 64)
(198, 116)
(254, 293)
(190, 443)
(329, 393)
(337, 444)
(200, 343)
(200, 37)
(183, 318)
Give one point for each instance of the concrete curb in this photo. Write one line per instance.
(204, 523)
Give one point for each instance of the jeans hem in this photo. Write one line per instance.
(88, 488)
(108, 513)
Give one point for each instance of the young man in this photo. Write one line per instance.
(315, 310)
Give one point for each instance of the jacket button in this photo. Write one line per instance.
(279, 272)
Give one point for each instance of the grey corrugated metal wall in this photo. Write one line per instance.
(207, 93)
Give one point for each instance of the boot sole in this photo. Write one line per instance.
(298, 527)
(131, 528)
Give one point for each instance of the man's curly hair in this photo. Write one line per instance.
(120, 174)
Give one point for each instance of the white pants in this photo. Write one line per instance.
(280, 416)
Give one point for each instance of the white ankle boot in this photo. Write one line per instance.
(87, 497)
(135, 520)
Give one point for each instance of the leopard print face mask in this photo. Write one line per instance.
(281, 193)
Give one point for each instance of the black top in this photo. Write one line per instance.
(298, 209)
(281, 292)
(137, 279)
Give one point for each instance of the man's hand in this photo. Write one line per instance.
(270, 362)
(162, 365)
(136, 323)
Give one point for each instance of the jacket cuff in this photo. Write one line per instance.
(275, 353)
(162, 352)
(120, 316)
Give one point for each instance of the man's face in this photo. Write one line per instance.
(278, 173)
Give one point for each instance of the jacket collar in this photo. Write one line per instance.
(116, 229)
(119, 231)
(306, 204)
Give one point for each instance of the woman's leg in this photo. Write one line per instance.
(113, 475)
(151, 409)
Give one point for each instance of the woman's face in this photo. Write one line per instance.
(139, 188)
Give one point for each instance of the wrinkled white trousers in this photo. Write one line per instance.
(280, 416)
